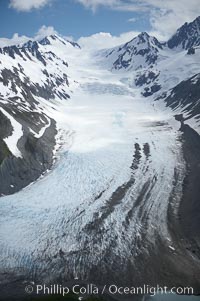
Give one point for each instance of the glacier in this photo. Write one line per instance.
(113, 138)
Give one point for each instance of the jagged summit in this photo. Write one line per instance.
(142, 37)
(52, 39)
(145, 51)
(186, 36)
(141, 51)
(145, 39)
(35, 48)
(46, 41)
(144, 34)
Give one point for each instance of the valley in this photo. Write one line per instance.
(111, 203)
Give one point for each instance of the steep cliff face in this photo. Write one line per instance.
(187, 36)
(185, 97)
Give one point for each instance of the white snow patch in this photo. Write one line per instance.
(17, 133)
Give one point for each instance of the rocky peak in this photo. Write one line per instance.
(143, 37)
(140, 52)
(30, 45)
(52, 39)
(144, 41)
(186, 36)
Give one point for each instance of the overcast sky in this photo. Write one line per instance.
(93, 23)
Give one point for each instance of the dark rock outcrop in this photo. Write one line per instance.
(37, 155)
(187, 36)
(186, 97)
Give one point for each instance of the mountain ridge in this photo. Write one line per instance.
(31, 74)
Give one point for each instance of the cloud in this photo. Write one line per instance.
(94, 4)
(45, 31)
(15, 40)
(105, 40)
(18, 40)
(169, 16)
(132, 20)
(165, 16)
(127, 5)
(96, 41)
(28, 5)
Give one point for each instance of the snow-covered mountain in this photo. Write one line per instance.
(121, 203)
(145, 51)
(140, 52)
(156, 68)
(32, 77)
